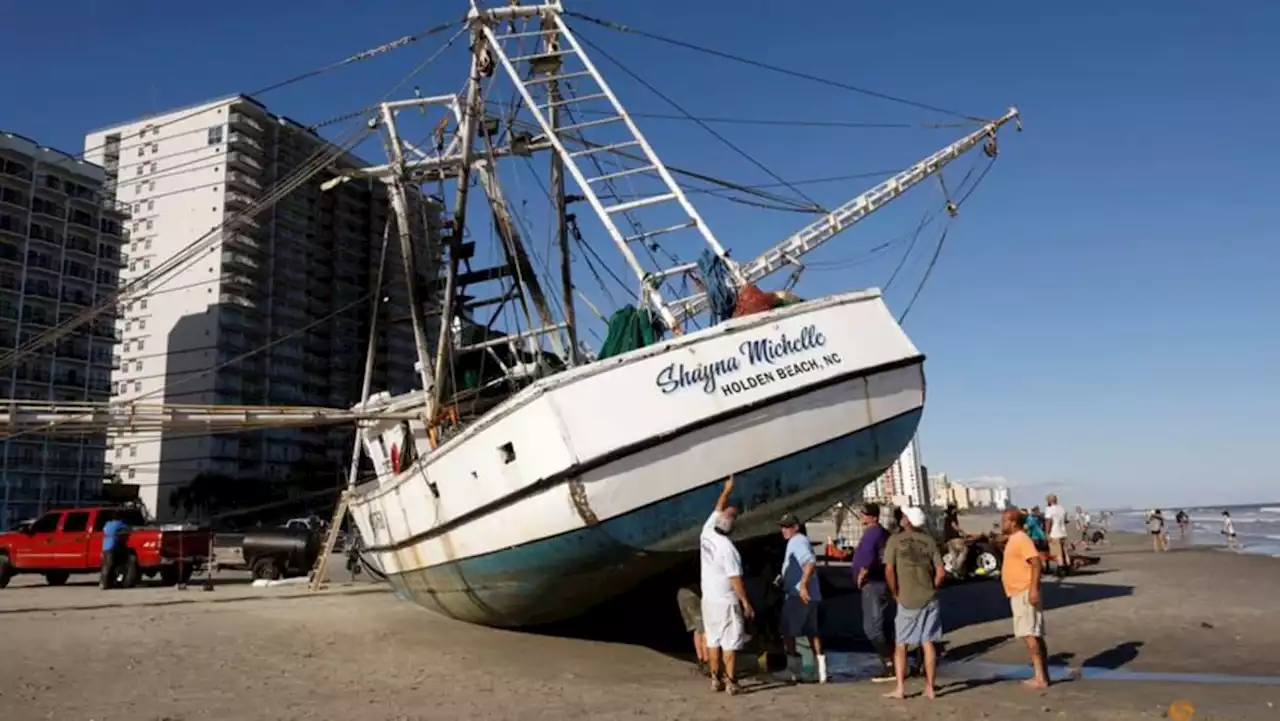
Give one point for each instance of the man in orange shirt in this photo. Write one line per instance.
(1020, 574)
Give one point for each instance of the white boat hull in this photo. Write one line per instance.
(587, 483)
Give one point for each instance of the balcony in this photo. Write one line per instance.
(234, 221)
(242, 142)
(243, 181)
(14, 169)
(242, 242)
(244, 161)
(77, 244)
(40, 206)
(14, 199)
(113, 206)
(69, 380)
(45, 234)
(242, 121)
(239, 261)
(83, 219)
(237, 300)
(238, 201)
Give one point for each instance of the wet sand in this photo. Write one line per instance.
(355, 652)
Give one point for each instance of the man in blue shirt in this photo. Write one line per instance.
(800, 607)
(115, 544)
(868, 574)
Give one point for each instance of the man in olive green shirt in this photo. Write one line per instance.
(913, 570)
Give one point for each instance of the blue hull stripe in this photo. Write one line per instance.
(560, 577)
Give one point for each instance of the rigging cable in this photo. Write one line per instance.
(46, 428)
(774, 68)
(364, 55)
(747, 156)
(937, 251)
(187, 255)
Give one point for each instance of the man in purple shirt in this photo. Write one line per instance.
(868, 573)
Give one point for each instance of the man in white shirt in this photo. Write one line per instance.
(724, 598)
(1056, 518)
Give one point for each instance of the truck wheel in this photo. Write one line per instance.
(129, 576)
(56, 578)
(265, 568)
(6, 571)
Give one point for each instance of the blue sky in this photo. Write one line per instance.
(1102, 320)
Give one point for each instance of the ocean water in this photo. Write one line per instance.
(1257, 527)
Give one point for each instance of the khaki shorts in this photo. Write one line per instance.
(690, 609)
(1028, 619)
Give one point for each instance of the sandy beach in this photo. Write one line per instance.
(356, 652)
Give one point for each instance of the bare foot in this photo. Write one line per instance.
(1035, 683)
(928, 692)
(899, 694)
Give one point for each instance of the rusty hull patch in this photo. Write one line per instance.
(578, 494)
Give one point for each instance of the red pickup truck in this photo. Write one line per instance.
(64, 542)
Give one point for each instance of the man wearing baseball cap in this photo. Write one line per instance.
(800, 607)
(913, 570)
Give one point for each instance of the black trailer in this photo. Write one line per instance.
(268, 553)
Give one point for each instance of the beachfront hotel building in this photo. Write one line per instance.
(903, 483)
(296, 278)
(60, 237)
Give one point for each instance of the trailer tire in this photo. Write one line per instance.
(56, 578)
(266, 568)
(6, 571)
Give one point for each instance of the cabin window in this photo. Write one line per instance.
(48, 523)
(507, 452)
(76, 522)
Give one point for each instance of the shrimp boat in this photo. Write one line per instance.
(554, 478)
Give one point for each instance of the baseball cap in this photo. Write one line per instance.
(788, 519)
(914, 516)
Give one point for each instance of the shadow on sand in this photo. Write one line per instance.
(649, 616)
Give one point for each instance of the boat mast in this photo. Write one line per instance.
(400, 206)
(552, 46)
(481, 61)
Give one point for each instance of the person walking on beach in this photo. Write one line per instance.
(913, 570)
(1155, 526)
(800, 604)
(689, 601)
(1229, 530)
(1083, 519)
(724, 599)
(1020, 574)
(868, 574)
(1031, 524)
(1184, 523)
(956, 539)
(1055, 517)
